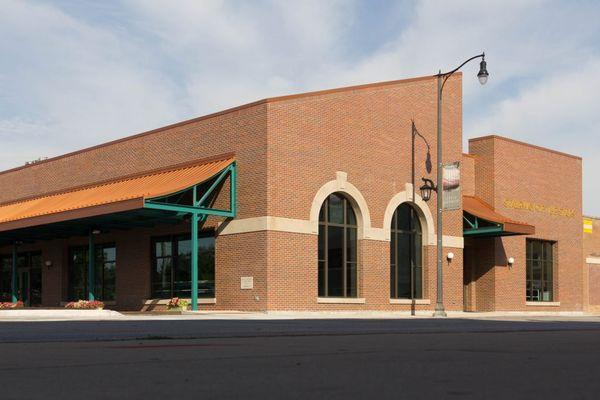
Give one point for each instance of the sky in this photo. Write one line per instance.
(77, 73)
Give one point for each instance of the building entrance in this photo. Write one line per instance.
(29, 279)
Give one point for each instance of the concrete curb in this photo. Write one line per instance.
(65, 314)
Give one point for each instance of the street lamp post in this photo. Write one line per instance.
(441, 80)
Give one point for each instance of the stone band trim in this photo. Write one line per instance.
(258, 224)
(409, 301)
(340, 300)
(592, 260)
(290, 225)
(543, 303)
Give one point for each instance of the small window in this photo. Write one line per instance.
(172, 271)
(540, 270)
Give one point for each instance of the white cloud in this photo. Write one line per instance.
(80, 75)
(559, 111)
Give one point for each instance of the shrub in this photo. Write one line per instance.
(85, 305)
(10, 306)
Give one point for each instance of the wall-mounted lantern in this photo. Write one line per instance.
(427, 188)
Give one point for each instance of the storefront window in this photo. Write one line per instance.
(337, 248)
(406, 254)
(540, 267)
(172, 259)
(104, 272)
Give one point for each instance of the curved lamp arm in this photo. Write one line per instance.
(447, 75)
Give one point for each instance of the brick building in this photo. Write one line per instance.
(301, 202)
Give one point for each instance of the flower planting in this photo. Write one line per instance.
(177, 304)
(10, 306)
(85, 305)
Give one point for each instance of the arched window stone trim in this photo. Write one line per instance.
(423, 211)
(354, 196)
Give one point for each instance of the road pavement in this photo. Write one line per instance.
(522, 358)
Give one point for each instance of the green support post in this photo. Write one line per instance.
(14, 281)
(91, 266)
(194, 230)
(233, 190)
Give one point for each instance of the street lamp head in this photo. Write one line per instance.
(483, 74)
(428, 164)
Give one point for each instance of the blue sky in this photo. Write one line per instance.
(75, 73)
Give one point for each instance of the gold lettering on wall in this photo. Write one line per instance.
(535, 207)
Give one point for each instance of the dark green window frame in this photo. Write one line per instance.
(406, 254)
(169, 258)
(337, 248)
(105, 279)
(31, 260)
(540, 270)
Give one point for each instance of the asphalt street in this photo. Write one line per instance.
(301, 359)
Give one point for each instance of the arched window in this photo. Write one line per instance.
(406, 271)
(337, 248)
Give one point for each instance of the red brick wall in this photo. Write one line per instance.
(591, 248)
(367, 134)
(591, 241)
(286, 150)
(510, 170)
(467, 175)
(242, 131)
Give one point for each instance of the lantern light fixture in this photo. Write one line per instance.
(426, 189)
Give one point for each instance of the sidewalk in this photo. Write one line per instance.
(110, 315)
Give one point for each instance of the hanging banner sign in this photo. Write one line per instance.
(451, 186)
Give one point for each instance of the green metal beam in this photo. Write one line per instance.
(14, 281)
(222, 175)
(217, 212)
(484, 230)
(91, 262)
(233, 190)
(471, 224)
(186, 209)
(194, 244)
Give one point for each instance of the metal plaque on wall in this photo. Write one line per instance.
(451, 186)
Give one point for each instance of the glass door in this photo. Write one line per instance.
(29, 279)
(23, 293)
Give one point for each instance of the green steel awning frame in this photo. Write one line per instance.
(195, 202)
(475, 226)
(199, 209)
(480, 219)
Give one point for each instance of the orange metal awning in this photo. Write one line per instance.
(480, 209)
(108, 197)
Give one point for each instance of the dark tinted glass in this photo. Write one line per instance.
(172, 274)
(5, 278)
(406, 253)
(539, 270)
(351, 244)
(335, 254)
(336, 209)
(104, 273)
(350, 216)
(78, 264)
(206, 266)
(337, 248)
(182, 273)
